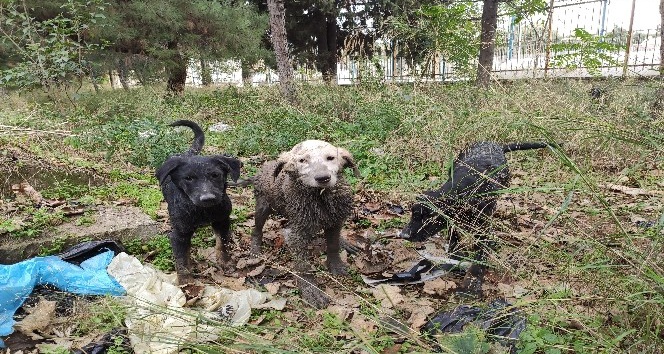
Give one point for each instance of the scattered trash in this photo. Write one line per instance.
(423, 270)
(395, 209)
(114, 338)
(89, 249)
(646, 224)
(219, 127)
(501, 320)
(159, 322)
(18, 280)
(146, 134)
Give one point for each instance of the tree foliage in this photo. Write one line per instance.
(439, 30)
(173, 32)
(48, 53)
(145, 37)
(585, 51)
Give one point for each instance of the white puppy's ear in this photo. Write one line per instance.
(284, 163)
(348, 161)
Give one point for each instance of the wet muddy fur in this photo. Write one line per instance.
(194, 187)
(285, 188)
(465, 203)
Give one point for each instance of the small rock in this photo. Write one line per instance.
(219, 127)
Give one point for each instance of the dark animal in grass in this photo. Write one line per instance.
(465, 203)
(306, 185)
(194, 187)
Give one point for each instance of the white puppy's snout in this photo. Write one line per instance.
(323, 178)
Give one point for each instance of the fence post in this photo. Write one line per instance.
(548, 41)
(394, 61)
(510, 41)
(629, 39)
(602, 28)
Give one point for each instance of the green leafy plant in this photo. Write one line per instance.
(36, 221)
(65, 190)
(585, 51)
(102, 316)
(55, 246)
(85, 220)
(159, 247)
(54, 51)
(472, 341)
(55, 349)
(441, 30)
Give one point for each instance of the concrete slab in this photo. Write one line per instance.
(111, 222)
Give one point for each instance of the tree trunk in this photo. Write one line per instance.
(122, 74)
(110, 78)
(177, 71)
(487, 42)
(661, 36)
(280, 44)
(206, 75)
(327, 49)
(94, 78)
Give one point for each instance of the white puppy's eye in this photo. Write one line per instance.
(302, 160)
(330, 158)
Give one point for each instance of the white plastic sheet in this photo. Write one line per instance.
(159, 323)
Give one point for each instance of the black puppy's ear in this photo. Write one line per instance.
(167, 168)
(231, 165)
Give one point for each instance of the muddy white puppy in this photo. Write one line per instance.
(306, 186)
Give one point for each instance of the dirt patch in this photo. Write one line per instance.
(17, 166)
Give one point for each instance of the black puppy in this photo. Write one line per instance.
(465, 202)
(195, 189)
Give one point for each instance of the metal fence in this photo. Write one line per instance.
(524, 49)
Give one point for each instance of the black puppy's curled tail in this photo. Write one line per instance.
(526, 146)
(199, 137)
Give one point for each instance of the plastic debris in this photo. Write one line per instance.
(423, 270)
(501, 320)
(158, 321)
(18, 280)
(115, 337)
(89, 249)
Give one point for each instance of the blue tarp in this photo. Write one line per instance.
(18, 280)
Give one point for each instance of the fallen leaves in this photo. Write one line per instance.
(25, 193)
(38, 318)
(439, 287)
(630, 190)
(388, 295)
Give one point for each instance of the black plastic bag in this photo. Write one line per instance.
(501, 320)
(86, 250)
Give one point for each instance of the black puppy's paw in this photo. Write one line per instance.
(337, 266)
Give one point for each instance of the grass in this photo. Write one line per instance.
(594, 281)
